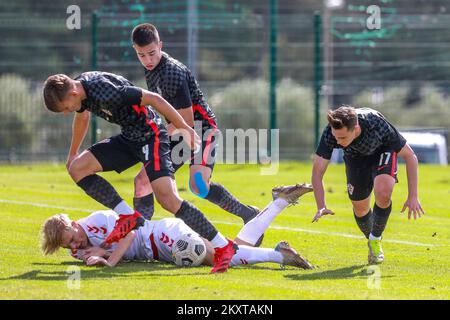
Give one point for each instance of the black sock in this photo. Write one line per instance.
(196, 220)
(380, 219)
(224, 199)
(101, 190)
(145, 205)
(365, 223)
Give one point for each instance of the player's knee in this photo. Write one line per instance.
(79, 168)
(383, 198)
(198, 185)
(193, 187)
(360, 211)
(142, 185)
(169, 202)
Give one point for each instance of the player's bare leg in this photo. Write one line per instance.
(84, 165)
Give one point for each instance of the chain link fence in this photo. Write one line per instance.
(401, 68)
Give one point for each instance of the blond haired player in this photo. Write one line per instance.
(154, 240)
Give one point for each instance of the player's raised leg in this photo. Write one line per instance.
(83, 171)
(282, 197)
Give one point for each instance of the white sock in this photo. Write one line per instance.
(253, 229)
(372, 237)
(252, 255)
(123, 208)
(219, 241)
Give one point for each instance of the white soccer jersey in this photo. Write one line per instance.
(153, 241)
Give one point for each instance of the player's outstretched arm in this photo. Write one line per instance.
(116, 255)
(412, 172)
(80, 126)
(320, 166)
(171, 114)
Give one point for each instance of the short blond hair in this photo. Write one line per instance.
(52, 231)
(56, 88)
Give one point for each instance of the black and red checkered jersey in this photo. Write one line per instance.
(376, 132)
(175, 83)
(115, 99)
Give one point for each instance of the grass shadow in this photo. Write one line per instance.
(358, 271)
(126, 269)
(255, 267)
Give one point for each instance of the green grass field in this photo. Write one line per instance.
(417, 253)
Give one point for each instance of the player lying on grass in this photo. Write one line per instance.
(154, 240)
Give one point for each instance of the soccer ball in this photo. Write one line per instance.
(189, 250)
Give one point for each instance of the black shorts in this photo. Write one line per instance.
(118, 154)
(361, 172)
(181, 153)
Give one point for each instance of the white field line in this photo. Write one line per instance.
(343, 235)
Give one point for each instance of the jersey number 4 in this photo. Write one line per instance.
(145, 151)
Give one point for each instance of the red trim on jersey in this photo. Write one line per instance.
(154, 248)
(199, 109)
(394, 163)
(136, 108)
(156, 145)
(212, 123)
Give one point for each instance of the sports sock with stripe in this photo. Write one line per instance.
(251, 255)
